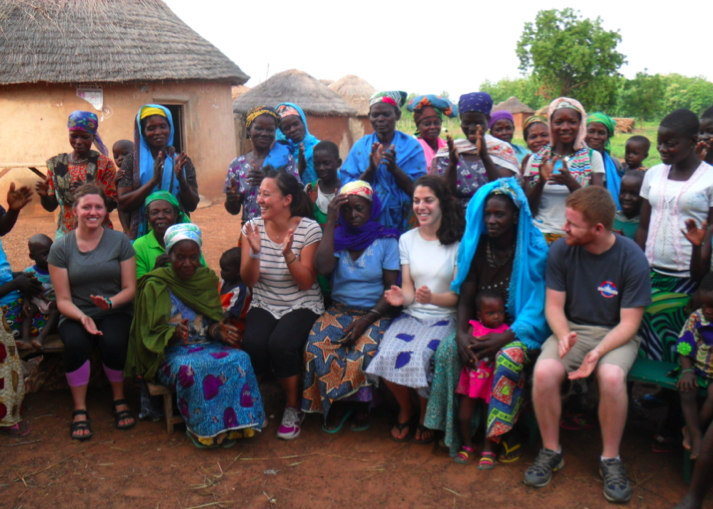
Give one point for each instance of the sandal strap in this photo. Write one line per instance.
(80, 425)
(118, 402)
(80, 412)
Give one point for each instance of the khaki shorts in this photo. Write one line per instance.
(588, 337)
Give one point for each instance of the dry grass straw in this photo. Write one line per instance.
(355, 91)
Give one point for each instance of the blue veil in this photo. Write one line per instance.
(309, 142)
(526, 302)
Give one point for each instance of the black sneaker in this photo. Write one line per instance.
(540, 472)
(616, 485)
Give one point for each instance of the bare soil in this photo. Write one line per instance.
(146, 468)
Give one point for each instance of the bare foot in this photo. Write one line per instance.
(686, 438)
(80, 432)
(23, 345)
(37, 344)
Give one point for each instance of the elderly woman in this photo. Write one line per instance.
(162, 212)
(246, 172)
(502, 127)
(94, 274)
(66, 172)
(362, 257)
(536, 134)
(478, 159)
(278, 264)
(155, 166)
(428, 111)
(12, 387)
(294, 133)
(388, 159)
(561, 167)
(178, 338)
(600, 130)
(428, 266)
(501, 250)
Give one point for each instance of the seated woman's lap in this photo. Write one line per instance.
(113, 342)
(277, 344)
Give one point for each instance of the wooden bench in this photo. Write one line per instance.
(162, 390)
(53, 344)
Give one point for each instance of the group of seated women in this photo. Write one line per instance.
(382, 292)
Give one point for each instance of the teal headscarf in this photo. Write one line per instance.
(609, 123)
(166, 196)
(526, 301)
(613, 180)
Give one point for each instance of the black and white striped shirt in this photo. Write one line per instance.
(276, 291)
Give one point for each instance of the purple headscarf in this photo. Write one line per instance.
(500, 115)
(87, 122)
(475, 101)
(350, 238)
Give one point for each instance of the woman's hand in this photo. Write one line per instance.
(287, 245)
(546, 168)
(158, 168)
(377, 154)
(90, 326)
(161, 261)
(563, 176)
(232, 194)
(28, 285)
(178, 165)
(42, 187)
(355, 330)
(335, 206)
(253, 235)
(693, 233)
(100, 302)
(389, 159)
(687, 382)
(18, 198)
(480, 144)
(703, 147)
(423, 295)
(227, 333)
(301, 160)
(490, 344)
(463, 341)
(452, 151)
(395, 296)
(181, 332)
(255, 177)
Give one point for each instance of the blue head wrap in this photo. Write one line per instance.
(476, 101)
(526, 301)
(182, 231)
(146, 161)
(309, 141)
(89, 123)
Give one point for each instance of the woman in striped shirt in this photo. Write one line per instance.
(278, 264)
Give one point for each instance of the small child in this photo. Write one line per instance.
(322, 192)
(636, 152)
(476, 383)
(120, 150)
(695, 350)
(40, 313)
(705, 135)
(234, 294)
(626, 220)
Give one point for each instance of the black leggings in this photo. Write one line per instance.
(277, 343)
(113, 342)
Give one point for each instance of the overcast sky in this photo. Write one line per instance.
(430, 47)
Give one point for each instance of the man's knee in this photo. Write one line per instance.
(611, 379)
(549, 374)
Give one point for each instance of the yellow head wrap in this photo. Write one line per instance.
(150, 110)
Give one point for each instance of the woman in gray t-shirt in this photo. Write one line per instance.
(94, 274)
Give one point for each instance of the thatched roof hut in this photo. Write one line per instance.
(356, 92)
(327, 113)
(111, 57)
(520, 111)
(238, 91)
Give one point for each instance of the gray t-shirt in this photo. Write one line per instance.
(599, 286)
(97, 272)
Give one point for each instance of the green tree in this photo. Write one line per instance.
(643, 97)
(525, 89)
(694, 93)
(568, 55)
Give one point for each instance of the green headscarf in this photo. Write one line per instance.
(609, 123)
(150, 332)
(166, 196)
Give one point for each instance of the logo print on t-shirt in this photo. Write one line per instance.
(608, 289)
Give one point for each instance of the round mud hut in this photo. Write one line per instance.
(356, 93)
(327, 113)
(520, 111)
(110, 58)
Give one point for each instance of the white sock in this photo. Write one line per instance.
(618, 458)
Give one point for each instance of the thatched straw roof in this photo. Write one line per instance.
(513, 105)
(296, 87)
(326, 82)
(355, 91)
(238, 91)
(104, 41)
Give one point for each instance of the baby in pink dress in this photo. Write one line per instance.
(477, 383)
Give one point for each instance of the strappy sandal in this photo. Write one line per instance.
(400, 426)
(19, 430)
(463, 457)
(507, 455)
(423, 429)
(122, 415)
(487, 461)
(80, 426)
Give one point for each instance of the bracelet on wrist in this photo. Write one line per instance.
(374, 311)
(688, 370)
(294, 259)
(108, 301)
(254, 255)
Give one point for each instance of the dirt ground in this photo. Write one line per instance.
(146, 468)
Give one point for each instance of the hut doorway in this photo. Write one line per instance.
(179, 137)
